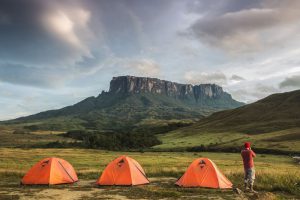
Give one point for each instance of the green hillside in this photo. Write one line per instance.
(128, 116)
(115, 112)
(112, 112)
(270, 123)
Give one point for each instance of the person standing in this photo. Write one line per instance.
(248, 155)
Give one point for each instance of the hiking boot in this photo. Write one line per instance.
(252, 190)
(246, 187)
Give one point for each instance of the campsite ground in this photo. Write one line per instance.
(278, 177)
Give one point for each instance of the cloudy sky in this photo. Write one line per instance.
(56, 53)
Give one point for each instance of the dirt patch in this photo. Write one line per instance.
(160, 188)
(263, 196)
(63, 194)
(82, 190)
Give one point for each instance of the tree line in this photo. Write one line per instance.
(113, 140)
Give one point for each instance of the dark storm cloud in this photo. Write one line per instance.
(43, 39)
(32, 33)
(61, 33)
(293, 82)
(240, 26)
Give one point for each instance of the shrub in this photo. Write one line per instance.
(20, 131)
(32, 127)
(114, 141)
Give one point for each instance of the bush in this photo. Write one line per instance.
(32, 127)
(58, 144)
(20, 132)
(114, 141)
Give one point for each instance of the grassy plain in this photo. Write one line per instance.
(278, 177)
(285, 140)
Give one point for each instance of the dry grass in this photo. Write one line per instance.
(279, 175)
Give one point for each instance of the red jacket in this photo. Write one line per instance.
(248, 155)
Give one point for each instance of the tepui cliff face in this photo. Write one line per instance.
(135, 85)
(142, 97)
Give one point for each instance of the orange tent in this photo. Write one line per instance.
(203, 173)
(50, 171)
(123, 171)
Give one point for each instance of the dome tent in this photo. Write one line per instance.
(123, 171)
(50, 171)
(203, 173)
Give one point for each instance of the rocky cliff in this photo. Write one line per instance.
(135, 85)
(131, 99)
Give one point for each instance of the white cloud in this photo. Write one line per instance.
(143, 67)
(250, 91)
(237, 78)
(195, 77)
(249, 30)
(70, 26)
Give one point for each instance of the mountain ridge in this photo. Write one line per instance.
(272, 109)
(130, 100)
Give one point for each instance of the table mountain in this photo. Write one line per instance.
(136, 85)
(130, 100)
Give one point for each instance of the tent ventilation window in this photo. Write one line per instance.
(202, 164)
(120, 163)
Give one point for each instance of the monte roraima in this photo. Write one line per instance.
(132, 102)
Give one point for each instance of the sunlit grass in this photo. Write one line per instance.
(274, 173)
(190, 136)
